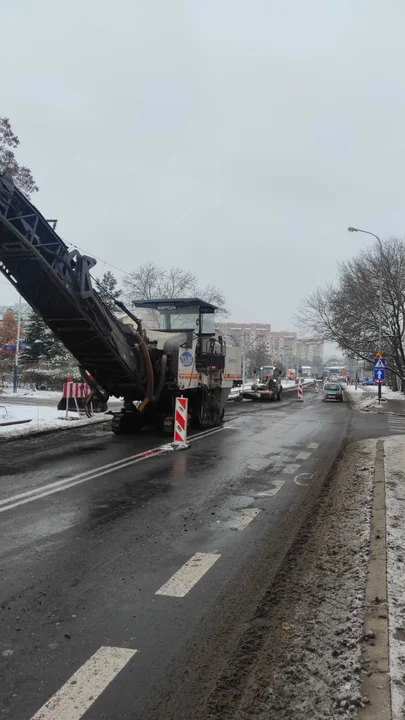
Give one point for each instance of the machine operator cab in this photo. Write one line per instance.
(188, 324)
(178, 315)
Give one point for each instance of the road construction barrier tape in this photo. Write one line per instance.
(300, 393)
(180, 421)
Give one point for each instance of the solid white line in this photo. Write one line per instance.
(303, 456)
(79, 693)
(291, 469)
(189, 574)
(69, 482)
(273, 491)
(313, 446)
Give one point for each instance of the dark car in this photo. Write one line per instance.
(332, 391)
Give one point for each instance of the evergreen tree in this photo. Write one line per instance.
(46, 361)
(39, 341)
(107, 289)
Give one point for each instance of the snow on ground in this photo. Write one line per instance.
(366, 398)
(395, 508)
(29, 393)
(41, 418)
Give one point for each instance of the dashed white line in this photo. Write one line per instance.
(84, 687)
(303, 455)
(189, 574)
(291, 469)
(242, 519)
(277, 484)
(313, 446)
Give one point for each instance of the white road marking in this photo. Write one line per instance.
(277, 484)
(303, 456)
(309, 477)
(69, 482)
(79, 693)
(192, 571)
(313, 446)
(241, 519)
(291, 469)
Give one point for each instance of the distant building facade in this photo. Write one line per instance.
(282, 347)
(245, 334)
(308, 352)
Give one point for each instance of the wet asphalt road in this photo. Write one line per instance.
(93, 531)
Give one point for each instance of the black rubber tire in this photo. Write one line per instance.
(278, 398)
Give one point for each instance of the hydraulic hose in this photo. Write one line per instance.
(148, 363)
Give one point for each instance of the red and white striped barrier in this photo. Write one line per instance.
(316, 387)
(300, 393)
(180, 421)
(75, 390)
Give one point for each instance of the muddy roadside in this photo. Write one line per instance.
(300, 656)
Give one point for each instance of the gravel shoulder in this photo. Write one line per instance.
(300, 655)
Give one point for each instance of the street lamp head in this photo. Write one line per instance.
(352, 229)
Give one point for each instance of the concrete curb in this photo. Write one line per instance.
(375, 647)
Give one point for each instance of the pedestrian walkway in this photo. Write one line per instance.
(396, 424)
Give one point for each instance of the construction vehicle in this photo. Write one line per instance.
(178, 354)
(268, 386)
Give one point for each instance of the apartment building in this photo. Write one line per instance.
(246, 334)
(307, 351)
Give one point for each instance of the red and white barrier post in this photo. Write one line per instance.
(74, 390)
(300, 392)
(316, 387)
(180, 421)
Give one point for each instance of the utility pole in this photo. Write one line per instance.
(17, 349)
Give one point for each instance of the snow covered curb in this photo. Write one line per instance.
(367, 399)
(395, 509)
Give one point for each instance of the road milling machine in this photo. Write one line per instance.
(161, 350)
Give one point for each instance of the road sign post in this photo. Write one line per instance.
(379, 373)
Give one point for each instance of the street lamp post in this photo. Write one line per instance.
(367, 232)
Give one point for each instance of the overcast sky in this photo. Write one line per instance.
(235, 138)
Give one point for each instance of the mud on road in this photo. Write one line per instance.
(300, 655)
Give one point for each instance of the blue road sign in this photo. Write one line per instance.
(379, 375)
(379, 363)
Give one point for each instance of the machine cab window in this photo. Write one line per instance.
(178, 315)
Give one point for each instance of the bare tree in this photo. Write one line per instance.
(149, 281)
(348, 313)
(22, 175)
